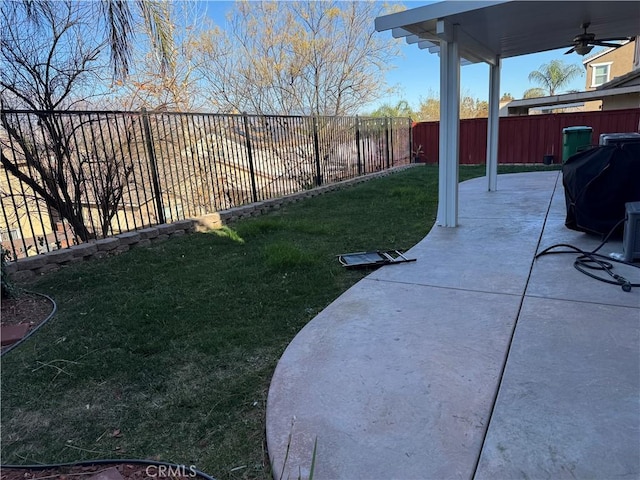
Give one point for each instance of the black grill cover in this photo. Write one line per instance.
(597, 184)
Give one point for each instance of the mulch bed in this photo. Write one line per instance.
(24, 309)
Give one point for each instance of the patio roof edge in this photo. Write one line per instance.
(433, 12)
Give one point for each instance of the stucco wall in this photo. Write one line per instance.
(631, 100)
(621, 60)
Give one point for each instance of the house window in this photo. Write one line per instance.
(7, 235)
(173, 213)
(600, 74)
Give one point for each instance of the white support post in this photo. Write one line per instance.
(449, 126)
(492, 125)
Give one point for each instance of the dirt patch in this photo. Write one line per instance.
(28, 311)
(26, 308)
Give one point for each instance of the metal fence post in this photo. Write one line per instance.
(358, 145)
(412, 157)
(386, 136)
(247, 137)
(391, 143)
(316, 147)
(154, 167)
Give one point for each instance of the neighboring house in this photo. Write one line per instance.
(23, 214)
(604, 67)
(630, 82)
(26, 223)
(612, 83)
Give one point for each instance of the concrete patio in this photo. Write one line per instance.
(475, 361)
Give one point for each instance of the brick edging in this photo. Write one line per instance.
(27, 268)
(223, 217)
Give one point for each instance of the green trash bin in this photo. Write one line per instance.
(574, 140)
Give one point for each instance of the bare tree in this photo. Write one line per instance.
(154, 87)
(306, 57)
(49, 62)
(107, 166)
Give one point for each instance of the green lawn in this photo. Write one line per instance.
(174, 345)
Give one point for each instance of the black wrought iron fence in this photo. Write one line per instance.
(75, 176)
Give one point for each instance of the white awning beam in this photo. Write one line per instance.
(449, 127)
(492, 125)
(471, 31)
(400, 33)
(479, 51)
(418, 15)
(508, 29)
(427, 44)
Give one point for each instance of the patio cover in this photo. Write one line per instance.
(488, 31)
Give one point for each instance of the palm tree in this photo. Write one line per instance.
(118, 18)
(535, 92)
(554, 75)
(400, 109)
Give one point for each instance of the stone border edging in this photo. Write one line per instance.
(27, 268)
(223, 217)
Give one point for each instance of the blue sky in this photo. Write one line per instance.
(417, 72)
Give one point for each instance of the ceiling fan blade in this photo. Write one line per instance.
(620, 39)
(605, 44)
(570, 51)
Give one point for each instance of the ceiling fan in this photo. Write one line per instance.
(583, 43)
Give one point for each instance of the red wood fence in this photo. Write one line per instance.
(523, 139)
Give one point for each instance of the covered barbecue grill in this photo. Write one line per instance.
(597, 184)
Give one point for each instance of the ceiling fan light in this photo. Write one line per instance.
(583, 49)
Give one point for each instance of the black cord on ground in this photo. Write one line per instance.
(87, 463)
(35, 329)
(594, 261)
